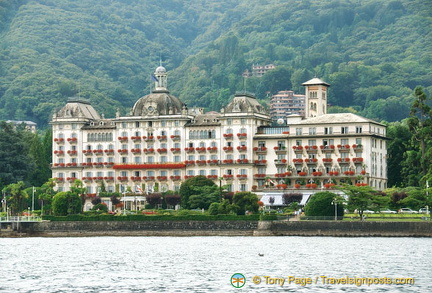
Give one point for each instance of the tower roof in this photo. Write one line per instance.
(315, 81)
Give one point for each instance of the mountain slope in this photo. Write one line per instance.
(372, 52)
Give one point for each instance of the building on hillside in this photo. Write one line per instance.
(286, 103)
(258, 70)
(29, 125)
(162, 142)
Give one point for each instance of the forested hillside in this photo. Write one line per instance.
(372, 52)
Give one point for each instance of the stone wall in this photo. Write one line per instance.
(351, 228)
(226, 228)
(141, 228)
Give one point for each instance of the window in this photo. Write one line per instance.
(229, 121)
(137, 124)
(202, 172)
(243, 121)
(358, 141)
(298, 142)
(163, 123)
(344, 141)
(124, 160)
(124, 125)
(312, 130)
(358, 129)
(328, 130)
(150, 159)
(344, 129)
(176, 173)
(311, 142)
(176, 123)
(163, 159)
(261, 144)
(137, 160)
(150, 123)
(177, 159)
(299, 131)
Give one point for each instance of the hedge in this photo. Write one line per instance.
(79, 217)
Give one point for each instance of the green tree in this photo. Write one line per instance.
(46, 196)
(246, 202)
(16, 197)
(205, 195)
(420, 124)
(65, 203)
(397, 147)
(191, 187)
(361, 198)
(321, 204)
(15, 161)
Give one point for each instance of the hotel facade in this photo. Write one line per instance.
(162, 142)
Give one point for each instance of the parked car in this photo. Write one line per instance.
(407, 211)
(387, 211)
(368, 212)
(424, 211)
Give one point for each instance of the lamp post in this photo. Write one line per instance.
(220, 188)
(334, 202)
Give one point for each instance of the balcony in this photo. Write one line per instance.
(189, 150)
(357, 160)
(228, 176)
(109, 152)
(189, 163)
(280, 149)
(343, 160)
(311, 148)
(228, 149)
(262, 149)
(175, 177)
(201, 162)
(148, 138)
(162, 151)
(136, 138)
(98, 152)
(72, 140)
(149, 151)
(311, 161)
(228, 136)
(58, 153)
(242, 135)
(122, 151)
(72, 153)
(59, 140)
(212, 149)
(242, 148)
(242, 161)
(280, 162)
(242, 176)
(175, 137)
(213, 177)
(260, 162)
(162, 178)
(327, 148)
(201, 149)
(228, 161)
(298, 149)
(297, 161)
(212, 162)
(123, 138)
(175, 150)
(162, 137)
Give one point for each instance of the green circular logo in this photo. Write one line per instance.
(238, 280)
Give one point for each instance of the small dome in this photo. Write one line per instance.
(157, 103)
(160, 69)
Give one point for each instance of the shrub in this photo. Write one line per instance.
(320, 205)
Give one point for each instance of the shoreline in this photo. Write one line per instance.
(219, 228)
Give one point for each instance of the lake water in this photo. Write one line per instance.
(207, 264)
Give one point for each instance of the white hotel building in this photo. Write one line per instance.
(162, 142)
